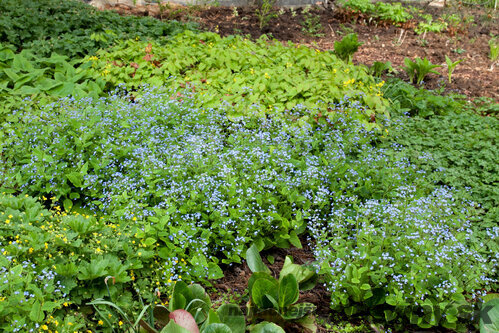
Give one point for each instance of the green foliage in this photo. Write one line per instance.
(243, 73)
(494, 49)
(379, 68)
(390, 12)
(489, 316)
(312, 25)
(265, 12)
(412, 101)
(393, 12)
(363, 6)
(429, 25)
(451, 66)
(25, 74)
(345, 48)
(190, 308)
(72, 28)
(43, 263)
(419, 68)
(273, 299)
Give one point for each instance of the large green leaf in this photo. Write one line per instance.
(180, 297)
(217, 328)
(262, 292)
(256, 276)
(254, 260)
(266, 327)
(232, 316)
(288, 291)
(305, 277)
(489, 317)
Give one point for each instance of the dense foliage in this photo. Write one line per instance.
(73, 28)
(238, 71)
(233, 147)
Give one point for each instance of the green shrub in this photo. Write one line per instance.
(72, 28)
(407, 99)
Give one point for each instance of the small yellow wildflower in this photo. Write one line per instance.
(100, 322)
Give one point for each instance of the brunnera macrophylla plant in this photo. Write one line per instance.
(238, 71)
(191, 184)
(406, 259)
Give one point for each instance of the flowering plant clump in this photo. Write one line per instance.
(182, 189)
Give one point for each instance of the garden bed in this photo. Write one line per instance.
(320, 28)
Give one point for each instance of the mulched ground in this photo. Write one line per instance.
(475, 77)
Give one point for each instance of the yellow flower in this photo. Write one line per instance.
(120, 323)
(44, 327)
(7, 221)
(100, 322)
(267, 76)
(10, 216)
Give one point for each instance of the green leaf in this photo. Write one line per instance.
(266, 327)
(262, 288)
(489, 317)
(232, 316)
(75, 178)
(288, 291)
(299, 311)
(254, 260)
(217, 328)
(68, 204)
(172, 327)
(256, 276)
(36, 314)
(305, 277)
(180, 296)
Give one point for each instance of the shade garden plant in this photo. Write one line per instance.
(197, 152)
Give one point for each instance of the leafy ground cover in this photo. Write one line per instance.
(111, 205)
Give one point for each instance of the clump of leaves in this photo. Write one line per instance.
(494, 49)
(379, 68)
(451, 66)
(419, 69)
(73, 28)
(189, 310)
(345, 48)
(275, 299)
(265, 12)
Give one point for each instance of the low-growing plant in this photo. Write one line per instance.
(73, 28)
(393, 12)
(362, 6)
(379, 68)
(407, 99)
(430, 25)
(25, 74)
(494, 49)
(243, 73)
(275, 299)
(189, 307)
(265, 12)
(345, 48)
(419, 69)
(451, 66)
(312, 25)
